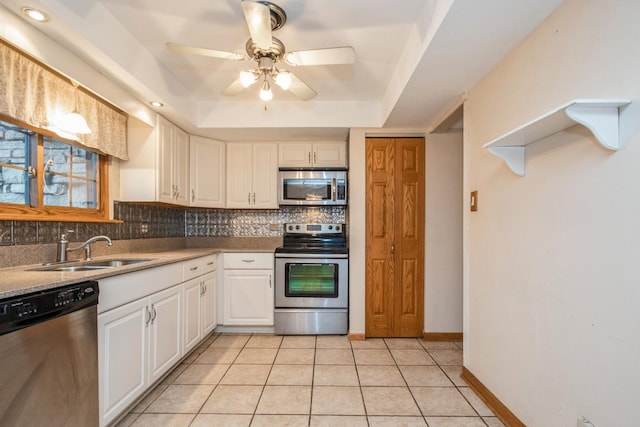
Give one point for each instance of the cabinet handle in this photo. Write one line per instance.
(249, 198)
(309, 157)
(248, 260)
(205, 288)
(315, 158)
(193, 268)
(193, 194)
(269, 281)
(155, 313)
(210, 263)
(254, 198)
(146, 324)
(201, 288)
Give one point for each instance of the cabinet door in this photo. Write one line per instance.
(207, 166)
(165, 183)
(294, 154)
(209, 320)
(165, 340)
(329, 154)
(248, 297)
(192, 313)
(122, 338)
(265, 176)
(181, 166)
(239, 175)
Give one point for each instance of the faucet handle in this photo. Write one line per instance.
(63, 236)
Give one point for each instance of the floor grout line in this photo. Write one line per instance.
(319, 343)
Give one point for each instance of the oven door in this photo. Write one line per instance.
(311, 281)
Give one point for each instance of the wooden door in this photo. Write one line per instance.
(394, 237)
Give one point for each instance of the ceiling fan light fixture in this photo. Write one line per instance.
(247, 78)
(265, 92)
(283, 79)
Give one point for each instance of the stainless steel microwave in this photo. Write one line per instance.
(312, 187)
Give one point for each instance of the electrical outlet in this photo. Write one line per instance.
(144, 228)
(274, 227)
(583, 422)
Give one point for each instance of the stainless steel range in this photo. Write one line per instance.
(312, 280)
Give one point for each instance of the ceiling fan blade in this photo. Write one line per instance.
(192, 50)
(233, 89)
(258, 20)
(301, 89)
(329, 56)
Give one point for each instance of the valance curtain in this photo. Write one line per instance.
(40, 97)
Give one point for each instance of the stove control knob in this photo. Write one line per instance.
(297, 227)
(290, 228)
(338, 227)
(330, 227)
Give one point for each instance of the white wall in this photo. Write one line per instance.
(443, 233)
(552, 318)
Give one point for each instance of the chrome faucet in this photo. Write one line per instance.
(61, 255)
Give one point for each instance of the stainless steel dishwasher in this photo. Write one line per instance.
(49, 357)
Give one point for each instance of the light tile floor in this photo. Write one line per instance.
(267, 380)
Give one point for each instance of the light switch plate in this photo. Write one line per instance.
(473, 201)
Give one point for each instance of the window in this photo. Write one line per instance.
(41, 174)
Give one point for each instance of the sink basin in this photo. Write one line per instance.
(74, 268)
(100, 264)
(112, 263)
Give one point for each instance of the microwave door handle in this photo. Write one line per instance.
(333, 189)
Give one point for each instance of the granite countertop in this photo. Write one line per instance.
(25, 279)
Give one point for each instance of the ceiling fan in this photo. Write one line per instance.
(263, 18)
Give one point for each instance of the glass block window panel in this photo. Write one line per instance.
(70, 175)
(15, 160)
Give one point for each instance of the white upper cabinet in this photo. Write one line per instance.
(330, 154)
(207, 181)
(158, 165)
(173, 162)
(252, 175)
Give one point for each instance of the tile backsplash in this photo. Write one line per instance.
(143, 221)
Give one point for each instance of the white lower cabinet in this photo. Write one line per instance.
(137, 343)
(199, 309)
(165, 324)
(248, 289)
(122, 356)
(199, 299)
(147, 321)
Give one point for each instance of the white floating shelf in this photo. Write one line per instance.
(600, 116)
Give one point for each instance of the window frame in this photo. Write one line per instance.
(36, 210)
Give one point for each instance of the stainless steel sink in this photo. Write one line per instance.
(100, 264)
(112, 263)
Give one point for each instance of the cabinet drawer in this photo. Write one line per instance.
(248, 260)
(198, 266)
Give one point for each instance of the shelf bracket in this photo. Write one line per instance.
(514, 157)
(602, 121)
(599, 116)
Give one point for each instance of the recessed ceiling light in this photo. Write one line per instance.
(35, 14)
(156, 104)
